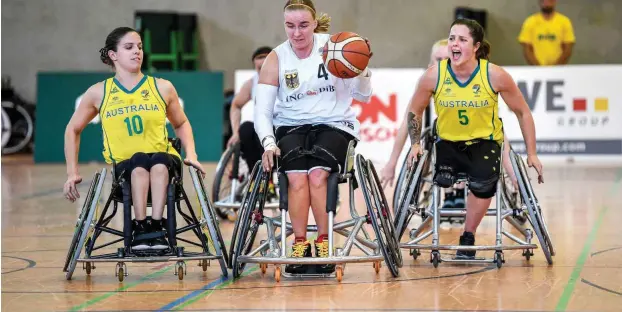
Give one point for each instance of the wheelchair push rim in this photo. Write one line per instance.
(248, 226)
(220, 177)
(85, 225)
(379, 213)
(531, 202)
(414, 183)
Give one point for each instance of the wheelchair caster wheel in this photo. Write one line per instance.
(121, 271)
(204, 264)
(88, 267)
(277, 273)
(339, 273)
(436, 258)
(499, 259)
(415, 253)
(377, 266)
(263, 267)
(527, 253)
(180, 269)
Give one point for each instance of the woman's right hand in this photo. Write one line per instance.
(235, 138)
(70, 190)
(415, 153)
(267, 159)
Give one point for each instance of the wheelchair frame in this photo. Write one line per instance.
(89, 227)
(273, 250)
(409, 205)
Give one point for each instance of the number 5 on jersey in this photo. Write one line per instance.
(135, 126)
(464, 119)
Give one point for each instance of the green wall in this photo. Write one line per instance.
(57, 92)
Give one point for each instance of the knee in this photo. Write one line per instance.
(297, 182)
(247, 129)
(484, 188)
(317, 178)
(159, 170)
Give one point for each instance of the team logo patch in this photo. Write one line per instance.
(145, 94)
(476, 89)
(448, 81)
(291, 79)
(114, 90)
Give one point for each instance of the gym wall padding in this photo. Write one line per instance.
(57, 94)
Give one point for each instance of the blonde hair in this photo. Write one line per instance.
(440, 43)
(323, 20)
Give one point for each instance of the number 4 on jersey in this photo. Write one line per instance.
(321, 72)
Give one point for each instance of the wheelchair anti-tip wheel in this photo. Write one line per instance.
(533, 206)
(250, 218)
(83, 225)
(380, 214)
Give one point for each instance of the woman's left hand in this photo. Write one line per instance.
(192, 161)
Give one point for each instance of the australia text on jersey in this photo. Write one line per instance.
(131, 109)
(462, 104)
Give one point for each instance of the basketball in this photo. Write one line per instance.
(346, 55)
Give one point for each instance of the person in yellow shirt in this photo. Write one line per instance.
(547, 37)
(466, 89)
(133, 108)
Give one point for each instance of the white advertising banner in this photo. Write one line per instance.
(577, 110)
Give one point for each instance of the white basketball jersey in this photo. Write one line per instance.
(309, 94)
(249, 108)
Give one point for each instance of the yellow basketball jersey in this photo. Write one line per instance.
(133, 120)
(466, 111)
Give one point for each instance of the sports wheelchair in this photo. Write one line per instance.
(273, 249)
(230, 181)
(419, 195)
(91, 224)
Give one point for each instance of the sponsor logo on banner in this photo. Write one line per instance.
(372, 117)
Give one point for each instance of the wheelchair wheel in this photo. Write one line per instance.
(380, 214)
(533, 207)
(84, 222)
(400, 184)
(250, 219)
(247, 191)
(211, 227)
(231, 174)
(21, 127)
(412, 190)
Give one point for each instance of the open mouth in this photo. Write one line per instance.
(455, 55)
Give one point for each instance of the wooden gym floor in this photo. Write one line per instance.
(581, 206)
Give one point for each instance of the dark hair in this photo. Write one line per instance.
(323, 20)
(477, 33)
(261, 51)
(111, 43)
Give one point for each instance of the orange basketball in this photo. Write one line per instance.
(346, 55)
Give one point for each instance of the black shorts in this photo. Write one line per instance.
(146, 161)
(305, 148)
(480, 161)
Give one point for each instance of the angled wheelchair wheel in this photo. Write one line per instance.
(210, 228)
(413, 186)
(247, 192)
(380, 214)
(250, 219)
(401, 184)
(83, 226)
(533, 207)
(231, 174)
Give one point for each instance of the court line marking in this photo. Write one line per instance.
(601, 287)
(564, 300)
(30, 264)
(130, 285)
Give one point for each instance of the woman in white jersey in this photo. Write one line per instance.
(242, 112)
(313, 118)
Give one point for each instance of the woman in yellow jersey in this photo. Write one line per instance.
(133, 108)
(454, 197)
(465, 88)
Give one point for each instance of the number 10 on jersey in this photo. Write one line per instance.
(134, 125)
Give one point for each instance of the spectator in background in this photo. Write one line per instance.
(547, 37)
